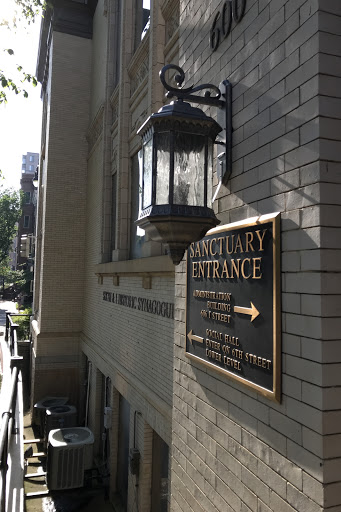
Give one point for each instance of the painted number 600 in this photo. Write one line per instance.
(221, 26)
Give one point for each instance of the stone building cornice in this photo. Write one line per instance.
(67, 17)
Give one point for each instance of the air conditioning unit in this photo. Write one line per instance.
(40, 407)
(70, 452)
(60, 416)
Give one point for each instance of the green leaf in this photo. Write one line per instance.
(10, 211)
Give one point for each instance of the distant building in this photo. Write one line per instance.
(29, 163)
(26, 223)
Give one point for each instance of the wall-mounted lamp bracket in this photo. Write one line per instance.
(222, 99)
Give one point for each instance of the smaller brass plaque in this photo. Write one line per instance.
(233, 302)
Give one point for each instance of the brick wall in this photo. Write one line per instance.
(131, 346)
(65, 180)
(61, 231)
(89, 136)
(232, 449)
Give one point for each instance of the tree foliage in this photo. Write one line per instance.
(20, 279)
(10, 212)
(28, 10)
(8, 84)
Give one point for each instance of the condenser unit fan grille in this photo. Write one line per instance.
(66, 468)
(71, 464)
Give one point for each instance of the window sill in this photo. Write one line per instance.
(142, 267)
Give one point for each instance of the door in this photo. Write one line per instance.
(123, 450)
(160, 461)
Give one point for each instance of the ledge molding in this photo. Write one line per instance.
(156, 265)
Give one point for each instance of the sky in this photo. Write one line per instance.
(20, 118)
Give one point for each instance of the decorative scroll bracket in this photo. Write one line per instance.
(221, 100)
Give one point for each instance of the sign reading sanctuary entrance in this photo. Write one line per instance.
(233, 302)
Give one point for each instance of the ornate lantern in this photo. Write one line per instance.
(176, 171)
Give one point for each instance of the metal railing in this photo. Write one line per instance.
(9, 421)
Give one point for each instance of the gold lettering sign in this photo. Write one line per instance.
(233, 302)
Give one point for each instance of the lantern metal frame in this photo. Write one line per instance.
(221, 100)
(174, 224)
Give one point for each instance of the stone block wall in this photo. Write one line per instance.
(233, 449)
(61, 223)
(63, 218)
(123, 340)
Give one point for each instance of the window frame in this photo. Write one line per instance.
(141, 28)
(137, 235)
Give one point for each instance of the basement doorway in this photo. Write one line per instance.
(160, 462)
(123, 450)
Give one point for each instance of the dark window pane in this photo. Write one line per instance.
(137, 237)
(113, 210)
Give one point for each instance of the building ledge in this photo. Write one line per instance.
(142, 267)
(35, 327)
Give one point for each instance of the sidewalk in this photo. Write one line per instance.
(5, 305)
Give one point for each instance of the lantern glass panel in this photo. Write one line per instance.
(189, 158)
(209, 173)
(162, 142)
(147, 173)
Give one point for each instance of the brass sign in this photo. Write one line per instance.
(233, 302)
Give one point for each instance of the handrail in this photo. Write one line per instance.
(8, 418)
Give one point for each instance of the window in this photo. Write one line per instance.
(26, 221)
(31, 158)
(142, 21)
(137, 237)
(24, 159)
(30, 167)
(113, 210)
(116, 52)
(27, 197)
(145, 18)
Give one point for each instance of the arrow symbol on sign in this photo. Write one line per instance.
(192, 337)
(252, 311)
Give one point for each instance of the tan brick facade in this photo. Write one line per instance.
(127, 346)
(59, 274)
(233, 449)
(101, 312)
